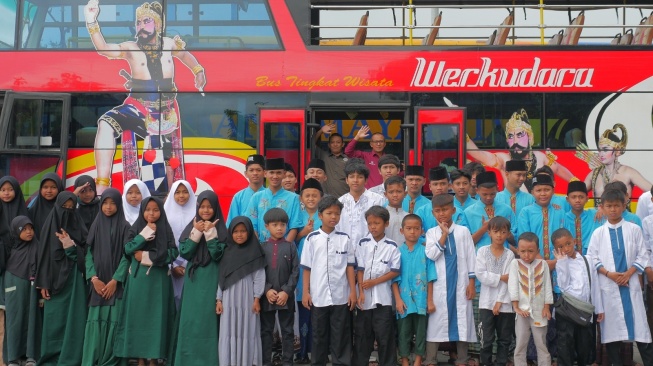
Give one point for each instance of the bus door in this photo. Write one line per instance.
(34, 137)
(282, 134)
(440, 138)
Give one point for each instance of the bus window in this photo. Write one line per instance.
(35, 124)
(349, 122)
(225, 25)
(283, 136)
(200, 24)
(8, 25)
(566, 117)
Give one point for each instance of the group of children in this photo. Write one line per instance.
(100, 281)
(393, 269)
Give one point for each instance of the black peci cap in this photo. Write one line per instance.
(274, 164)
(576, 186)
(312, 183)
(542, 179)
(316, 163)
(486, 177)
(255, 159)
(414, 170)
(438, 173)
(516, 166)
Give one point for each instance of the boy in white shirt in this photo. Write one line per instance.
(451, 247)
(328, 260)
(495, 309)
(379, 262)
(618, 249)
(577, 277)
(395, 191)
(529, 284)
(357, 201)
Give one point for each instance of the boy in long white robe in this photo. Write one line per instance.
(618, 251)
(452, 248)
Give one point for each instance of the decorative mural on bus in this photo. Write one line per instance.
(619, 131)
(150, 112)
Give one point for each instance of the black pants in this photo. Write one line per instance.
(305, 331)
(500, 327)
(286, 323)
(375, 324)
(331, 334)
(614, 357)
(575, 343)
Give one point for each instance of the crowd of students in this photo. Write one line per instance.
(102, 280)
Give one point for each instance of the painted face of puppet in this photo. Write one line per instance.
(518, 143)
(145, 29)
(607, 154)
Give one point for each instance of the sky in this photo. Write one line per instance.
(554, 20)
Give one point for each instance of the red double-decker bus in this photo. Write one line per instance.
(81, 95)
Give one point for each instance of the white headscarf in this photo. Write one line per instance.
(180, 216)
(131, 212)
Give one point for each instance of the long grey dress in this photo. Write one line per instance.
(240, 329)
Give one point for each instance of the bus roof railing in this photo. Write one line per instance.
(570, 31)
(476, 3)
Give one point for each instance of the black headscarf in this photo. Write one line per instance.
(164, 239)
(106, 241)
(88, 211)
(240, 260)
(54, 266)
(41, 207)
(9, 211)
(202, 256)
(24, 254)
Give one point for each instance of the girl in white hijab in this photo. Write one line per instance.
(180, 207)
(134, 192)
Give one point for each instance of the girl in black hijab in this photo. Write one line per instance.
(60, 276)
(148, 312)
(12, 205)
(201, 243)
(43, 204)
(22, 315)
(106, 269)
(242, 281)
(88, 204)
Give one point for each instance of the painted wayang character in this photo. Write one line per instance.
(605, 163)
(150, 112)
(520, 139)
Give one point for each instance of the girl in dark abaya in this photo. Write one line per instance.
(202, 243)
(22, 315)
(61, 280)
(106, 269)
(88, 204)
(147, 322)
(242, 282)
(12, 205)
(42, 205)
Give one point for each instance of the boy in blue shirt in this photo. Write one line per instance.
(512, 194)
(274, 196)
(579, 221)
(413, 291)
(255, 173)
(414, 182)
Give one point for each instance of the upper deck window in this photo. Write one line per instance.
(8, 25)
(230, 24)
